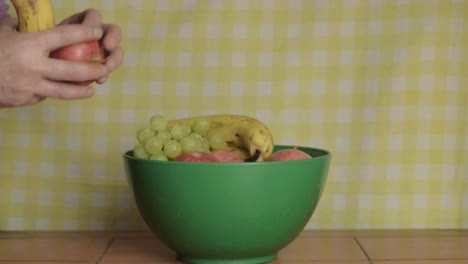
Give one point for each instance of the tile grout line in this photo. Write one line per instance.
(105, 250)
(362, 249)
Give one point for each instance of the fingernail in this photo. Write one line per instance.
(98, 32)
(110, 64)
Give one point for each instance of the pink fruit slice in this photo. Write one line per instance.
(196, 156)
(224, 155)
(289, 154)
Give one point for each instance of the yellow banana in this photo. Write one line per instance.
(246, 135)
(34, 15)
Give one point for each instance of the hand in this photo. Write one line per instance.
(110, 41)
(28, 75)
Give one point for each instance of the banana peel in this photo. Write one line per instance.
(247, 136)
(34, 15)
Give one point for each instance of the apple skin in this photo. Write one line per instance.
(289, 154)
(224, 155)
(88, 51)
(196, 156)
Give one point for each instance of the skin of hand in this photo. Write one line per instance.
(29, 76)
(110, 40)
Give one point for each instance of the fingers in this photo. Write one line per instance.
(50, 89)
(20, 99)
(112, 62)
(112, 36)
(111, 44)
(68, 34)
(73, 71)
(74, 19)
(92, 17)
(114, 59)
(35, 100)
(102, 80)
(89, 17)
(64, 90)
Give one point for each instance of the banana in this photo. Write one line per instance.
(245, 135)
(34, 15)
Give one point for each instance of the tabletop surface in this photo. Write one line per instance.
(311, 246)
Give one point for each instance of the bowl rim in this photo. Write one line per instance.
(326, 155)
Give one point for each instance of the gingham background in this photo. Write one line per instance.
(380, 83)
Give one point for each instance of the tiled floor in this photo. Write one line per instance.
(328, 247)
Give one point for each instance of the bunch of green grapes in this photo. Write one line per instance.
(160, 142)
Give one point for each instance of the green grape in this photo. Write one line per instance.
(204, 144)
(172, 149)
(140, 152)
(201, 125)
(197, 136)
(153, 145)
(191, 143)
(158, 123)
(180, 130)
(144, 133)
(217, 141)
(158, 156)
(164, 136)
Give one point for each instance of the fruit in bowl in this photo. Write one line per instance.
(289, 154)
(214, 138)
(227, 212)
(196, 156)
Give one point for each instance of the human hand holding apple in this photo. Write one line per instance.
(106, 51)
(89, 51)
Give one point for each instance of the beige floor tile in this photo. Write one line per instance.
(319, 249)
(415, 248)
(300, 251)
(48, 262)
(422, 262)
(135, 250)
(52, 249)
(322, 262)
(75, 234)
(134, 262)
(385, 232)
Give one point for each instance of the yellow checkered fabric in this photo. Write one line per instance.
(380, 83)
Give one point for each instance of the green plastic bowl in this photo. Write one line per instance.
(227, 212)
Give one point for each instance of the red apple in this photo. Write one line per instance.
(196, 156)
(90, 51)
(225, 155)
(289, 154)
